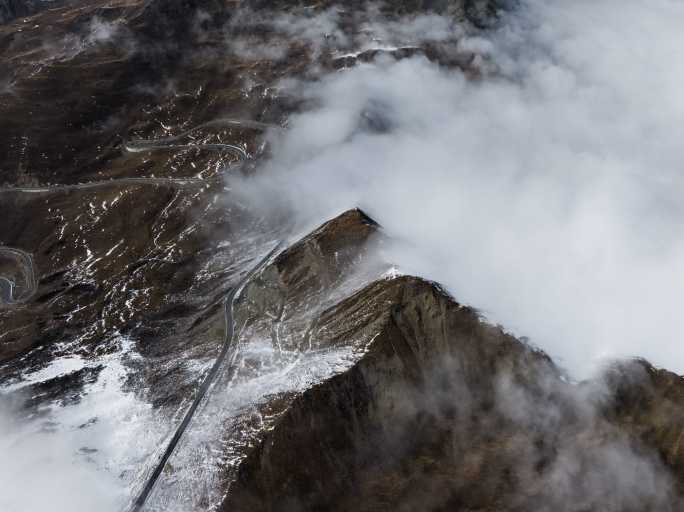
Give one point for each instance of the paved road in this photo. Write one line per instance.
(7, 286)
(175, 142)
(229, 347)
(6, 291)
(164, 143)
(177, 182)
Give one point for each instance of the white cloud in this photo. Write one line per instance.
(548, 194)
(91, 454)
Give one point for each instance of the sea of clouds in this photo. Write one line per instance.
(547, 193)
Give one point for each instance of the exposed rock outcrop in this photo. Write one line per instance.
(309, 276)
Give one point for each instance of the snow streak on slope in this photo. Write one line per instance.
(241, 406)
(547, 192)
(79, 456)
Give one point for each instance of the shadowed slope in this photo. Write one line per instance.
(445, 412)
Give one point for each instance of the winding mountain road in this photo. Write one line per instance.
(229, 347)
(178, 182)
(175, 142)
(165, 143)
(8, 286)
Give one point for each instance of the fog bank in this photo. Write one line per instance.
(547, 193)
(88, 451)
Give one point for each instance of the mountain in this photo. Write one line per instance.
(134, 278)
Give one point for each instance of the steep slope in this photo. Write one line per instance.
(271, 360)
(445, 412)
